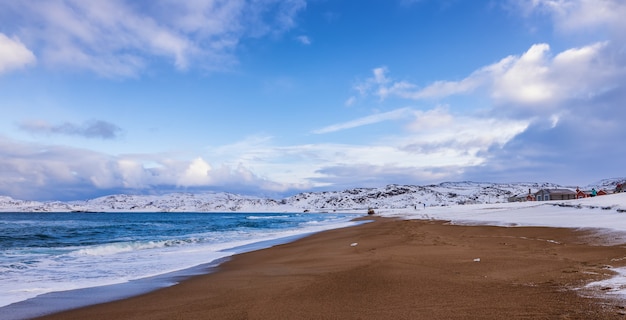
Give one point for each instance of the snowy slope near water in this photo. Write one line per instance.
(358, 199)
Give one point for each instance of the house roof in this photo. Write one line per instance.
(556, 191)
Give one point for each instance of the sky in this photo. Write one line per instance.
(277, 97)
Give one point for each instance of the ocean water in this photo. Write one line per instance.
(42, 253)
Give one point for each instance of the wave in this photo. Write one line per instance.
(264, 217)
(122, 247)
(129, 244)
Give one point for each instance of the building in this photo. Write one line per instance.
(522, 197)
(581, 194)
(517, 198)
(590, 193)
(554, 194)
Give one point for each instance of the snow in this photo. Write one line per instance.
(358, 199)
(606, 213)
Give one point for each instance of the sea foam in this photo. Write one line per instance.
(44, 253)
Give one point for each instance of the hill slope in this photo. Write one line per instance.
(358, 199)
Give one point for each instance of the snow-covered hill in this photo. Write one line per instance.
(358, 199)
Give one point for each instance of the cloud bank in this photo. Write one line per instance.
(91, 129)
(35, 171)
(119, 38)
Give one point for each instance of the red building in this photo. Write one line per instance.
(585, 194)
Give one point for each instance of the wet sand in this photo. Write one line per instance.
(395, 269)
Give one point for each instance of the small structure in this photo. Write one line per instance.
(522, 197)
(621, 187)
(581, 194)
(517, 198)
(555, 194)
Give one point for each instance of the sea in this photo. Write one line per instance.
(50, 262)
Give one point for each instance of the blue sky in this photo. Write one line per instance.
(273, 98)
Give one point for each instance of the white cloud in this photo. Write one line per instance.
(536, 80)
(441, 138)
(109, 38)
(382, 86)
(120, 37)
(375, 118)
(377, 83)
(438, 144)
(304, 40)
(14, 54)
(579, 15)
(526, 80)
(437, 89)
(131, 173)
(543, 82)
(431, 119)
(350, 101)
(196, 174)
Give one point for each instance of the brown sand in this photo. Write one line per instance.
(398, 270)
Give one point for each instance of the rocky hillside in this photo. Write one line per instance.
(358, 199)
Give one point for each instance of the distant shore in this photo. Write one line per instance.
(394, 269)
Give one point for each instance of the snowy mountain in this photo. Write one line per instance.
(606, 184)
(358, 199)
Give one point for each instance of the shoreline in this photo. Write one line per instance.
(406, 269)
(62, 301)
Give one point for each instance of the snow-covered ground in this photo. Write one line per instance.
(607, 214)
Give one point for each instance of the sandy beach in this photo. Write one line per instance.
(395, 269)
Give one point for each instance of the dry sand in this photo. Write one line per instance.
(397, 270)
